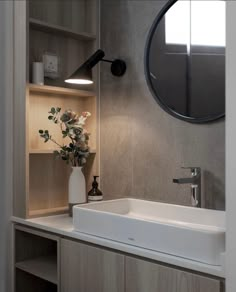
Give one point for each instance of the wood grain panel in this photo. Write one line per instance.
(61, 30)
(60, 90)
(48, 176)
(27, 283)
(40, 181)
(77, 15)
(71, 54)
(42, 267)
(88, 269)
(67, 13)
(39, 106)
(48, 186)
(48, 183)
(144, 276)
(31, 244)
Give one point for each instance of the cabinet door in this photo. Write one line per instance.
(144, 276)
(86, 268)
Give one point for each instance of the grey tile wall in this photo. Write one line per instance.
(142, 147)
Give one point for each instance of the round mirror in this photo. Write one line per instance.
(185, 59)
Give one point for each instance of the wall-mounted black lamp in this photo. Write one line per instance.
(83, 75)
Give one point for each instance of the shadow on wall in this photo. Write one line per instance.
(213, 191)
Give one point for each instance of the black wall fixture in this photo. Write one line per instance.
(83, 75)
(187, 78)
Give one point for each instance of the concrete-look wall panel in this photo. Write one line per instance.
(152, 144)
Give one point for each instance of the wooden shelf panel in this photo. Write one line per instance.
(60, 90)
(42, 151)
(43, 267)
(51, 28)
(46, 212)
(51, 151)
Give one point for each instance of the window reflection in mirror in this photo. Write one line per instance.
(187, 58)
(210, 31)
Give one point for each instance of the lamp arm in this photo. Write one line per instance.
(108, 61)
(94, 59)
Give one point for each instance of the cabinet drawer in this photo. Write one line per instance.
(144, 276)
(87, 268)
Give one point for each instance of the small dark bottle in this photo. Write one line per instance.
(95, 194)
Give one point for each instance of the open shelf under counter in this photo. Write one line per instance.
(59, 90)
(44, 267)
(57, 29)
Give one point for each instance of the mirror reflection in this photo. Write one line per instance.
(186, 60)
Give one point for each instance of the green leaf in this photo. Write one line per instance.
(50, 117)
(53, 111)
(64, 148)
(58, 109)
(41, 132)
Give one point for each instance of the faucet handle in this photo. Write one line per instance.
(191, 167)
(194, 170)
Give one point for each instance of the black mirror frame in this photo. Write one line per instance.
(157, 20)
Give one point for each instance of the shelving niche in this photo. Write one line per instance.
(36, 261)
(68, 29)
(48, 175)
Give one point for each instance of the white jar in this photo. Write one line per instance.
(38, 73)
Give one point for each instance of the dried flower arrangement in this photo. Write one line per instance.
(72, 126)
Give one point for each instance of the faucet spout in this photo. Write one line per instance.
(181, 181)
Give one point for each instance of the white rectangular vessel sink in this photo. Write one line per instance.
(191, 233)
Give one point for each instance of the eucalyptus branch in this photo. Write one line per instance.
(72, 127)
(50, 138)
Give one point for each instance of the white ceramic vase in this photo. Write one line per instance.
(77, 188)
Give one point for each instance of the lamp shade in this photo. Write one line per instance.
(83, 75)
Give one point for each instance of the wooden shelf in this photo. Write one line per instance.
(42, 267)
(46, 212)
(47, 27)
(51, 151)
(59, 90)
(42, 151)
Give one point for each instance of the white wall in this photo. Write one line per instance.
(6, 117)
(231, 148)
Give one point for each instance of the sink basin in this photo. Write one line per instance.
(191, 233)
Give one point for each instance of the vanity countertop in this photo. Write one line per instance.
(63, 225)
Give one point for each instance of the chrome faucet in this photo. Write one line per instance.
(195, 181)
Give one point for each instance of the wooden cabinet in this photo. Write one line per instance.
(145, 276)
(36, 261)
(50, 263)
(87, 268)
(68, 29)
